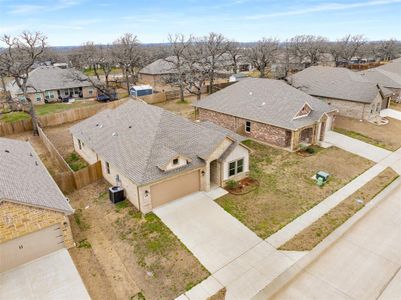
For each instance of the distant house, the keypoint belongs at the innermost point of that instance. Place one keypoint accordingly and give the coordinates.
(33, 210)
(157, 72)
(348, 92)
(158, 156)
(50, 84)
(270, 111)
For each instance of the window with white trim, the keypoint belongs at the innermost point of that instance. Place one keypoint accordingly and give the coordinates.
(248, 126)
(235, 167)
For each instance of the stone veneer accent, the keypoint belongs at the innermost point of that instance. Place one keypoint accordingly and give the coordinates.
(17, 220)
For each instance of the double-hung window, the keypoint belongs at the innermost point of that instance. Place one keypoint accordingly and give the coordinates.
(248, 126)
(107, 167)
(235, 167)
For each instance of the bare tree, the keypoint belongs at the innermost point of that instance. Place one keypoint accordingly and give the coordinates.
(18, 58)
(308, 48)
(235, 53)
(215, 46)
(88, 55)
(388, 49)
(178, 46)
(128, 54)
(350, 45)
(263, 54)
(106, 61)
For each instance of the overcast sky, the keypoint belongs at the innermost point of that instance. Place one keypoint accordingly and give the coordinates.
(72, 22)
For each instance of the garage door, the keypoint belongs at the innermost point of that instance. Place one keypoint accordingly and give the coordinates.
(172, 189)
(30, 246)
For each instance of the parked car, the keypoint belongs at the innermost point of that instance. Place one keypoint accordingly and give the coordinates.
(105, 98)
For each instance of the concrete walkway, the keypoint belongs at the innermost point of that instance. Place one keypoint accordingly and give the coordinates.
(236, 257)
(290, 230)
(392, 113)
(357, 147)
(53, 276)
(364, 263)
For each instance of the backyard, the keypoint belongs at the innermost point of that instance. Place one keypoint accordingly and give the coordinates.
(46, 109)
(287, 189)
(385, 136)
(184, 109)
(124, 255)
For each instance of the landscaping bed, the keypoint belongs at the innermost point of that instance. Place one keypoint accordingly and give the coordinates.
(385, 136)
(156, 263)
(242, 187)
(308, 238)
(287, 189)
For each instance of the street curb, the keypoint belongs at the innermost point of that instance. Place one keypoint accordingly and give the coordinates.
(292, 272)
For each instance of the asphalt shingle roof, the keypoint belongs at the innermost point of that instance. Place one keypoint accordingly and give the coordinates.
(138, 138)
(267, 101)
(159, 67)
(338, 83)
(52, 78)
(24, 179)
(388, 75)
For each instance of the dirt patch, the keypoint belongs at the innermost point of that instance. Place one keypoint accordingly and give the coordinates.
(315, 233)
(385, 136)
(138, 254)
(220, 295)
(287, 189)
(61, 138)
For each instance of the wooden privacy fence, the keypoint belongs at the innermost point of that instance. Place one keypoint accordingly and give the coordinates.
(67, 116)
(68, 180)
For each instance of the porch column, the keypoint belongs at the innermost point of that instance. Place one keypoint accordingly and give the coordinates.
(206, 177)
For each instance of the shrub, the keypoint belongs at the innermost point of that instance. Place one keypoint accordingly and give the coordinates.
(231, 184)
(310, 150)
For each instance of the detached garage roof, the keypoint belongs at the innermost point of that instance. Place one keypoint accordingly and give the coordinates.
(337, 83)
(138, 138)
(266, 101)
(24, 179)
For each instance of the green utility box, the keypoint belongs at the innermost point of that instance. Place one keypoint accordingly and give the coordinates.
(322, 176)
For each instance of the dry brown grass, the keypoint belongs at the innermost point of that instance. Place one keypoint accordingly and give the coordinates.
(315, 233)
(396, 106)
(184, 109)
(385, 136)
(128, 247)
(286, 188)
(220, 295)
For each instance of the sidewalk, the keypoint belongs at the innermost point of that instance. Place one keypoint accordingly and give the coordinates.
(395, 114)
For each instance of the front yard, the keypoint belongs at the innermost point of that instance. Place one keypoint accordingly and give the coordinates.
(124, 255)
(396, 106)
(287, 189)
(385, 136)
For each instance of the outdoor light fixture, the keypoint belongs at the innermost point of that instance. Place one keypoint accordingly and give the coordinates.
(203, 173)
(146, 193)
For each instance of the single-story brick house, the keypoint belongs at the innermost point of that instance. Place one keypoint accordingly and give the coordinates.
(33, 210)
(157, 156)
(50, 84)
(388, 75)
(270, 111)
(348, 92)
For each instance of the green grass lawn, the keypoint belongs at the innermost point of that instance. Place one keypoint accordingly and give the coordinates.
(45, 109)
(75, 162)
(287, 189)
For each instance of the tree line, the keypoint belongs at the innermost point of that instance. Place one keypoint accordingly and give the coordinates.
(191, 61)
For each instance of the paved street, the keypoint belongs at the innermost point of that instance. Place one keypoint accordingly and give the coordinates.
(363, 264)
(53, 276)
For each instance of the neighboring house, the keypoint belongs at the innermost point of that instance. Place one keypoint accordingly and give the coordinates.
(33, 210)
(158, 72)
(270, 111)
(158, 156)
(50, 84)
(348, 92)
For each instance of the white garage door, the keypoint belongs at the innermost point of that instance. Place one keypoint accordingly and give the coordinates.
(31, 246)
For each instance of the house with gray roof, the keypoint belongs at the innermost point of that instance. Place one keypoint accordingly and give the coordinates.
(157, 156)
(388, 76)
(51, 84)
(347, 91)
(270, 111)
(33, 211)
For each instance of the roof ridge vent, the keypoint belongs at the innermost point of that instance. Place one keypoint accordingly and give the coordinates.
(114, 134)
(7, 151)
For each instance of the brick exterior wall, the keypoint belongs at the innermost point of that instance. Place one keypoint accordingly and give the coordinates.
(266, 133)
(17, 220)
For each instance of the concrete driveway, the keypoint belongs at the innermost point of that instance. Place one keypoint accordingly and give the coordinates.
(363, 264)
(357, 147)
(211, 234)
(392, 113)
(53, 276)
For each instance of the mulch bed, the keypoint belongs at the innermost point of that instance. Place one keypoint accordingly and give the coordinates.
(244, 186)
